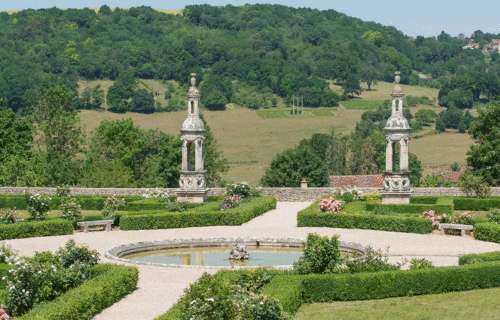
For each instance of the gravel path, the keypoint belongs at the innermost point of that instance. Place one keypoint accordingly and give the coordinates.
(160, 287)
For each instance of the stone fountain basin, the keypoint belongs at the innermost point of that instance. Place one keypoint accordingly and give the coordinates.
(117, 252)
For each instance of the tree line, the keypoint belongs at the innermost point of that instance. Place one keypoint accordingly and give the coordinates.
(50, 148)
(266, 49)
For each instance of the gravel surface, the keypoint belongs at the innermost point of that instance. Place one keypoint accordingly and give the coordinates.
(160, 287)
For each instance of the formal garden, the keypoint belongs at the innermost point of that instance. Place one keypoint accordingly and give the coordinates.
(70, 281)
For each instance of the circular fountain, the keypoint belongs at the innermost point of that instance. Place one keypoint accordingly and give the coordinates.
(215, 252)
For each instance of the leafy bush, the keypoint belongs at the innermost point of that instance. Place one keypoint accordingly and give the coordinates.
(487, 232)
(494, 215)
(177, 206)
(330, 205)
(473, 186)
(349, 194)
(417, 264)
(435, 220)
(111, 206)
(384, 211)
(34, 282)
(373, 261)
(71, 210)
(108, 284)
(63, 191)
(9, 216)
(463, 218)
(230, 202)
(479, 258)
(373, 196)
(38, 205)
(35, 229)
(72, 254)
(320, 255)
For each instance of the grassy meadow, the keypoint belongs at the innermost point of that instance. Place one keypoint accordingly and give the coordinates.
(251, 139)
(480, 304)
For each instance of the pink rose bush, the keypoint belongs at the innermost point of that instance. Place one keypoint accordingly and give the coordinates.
(330, 205)
(431, 215)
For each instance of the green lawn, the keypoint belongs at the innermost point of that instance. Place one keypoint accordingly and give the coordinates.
(476, 304)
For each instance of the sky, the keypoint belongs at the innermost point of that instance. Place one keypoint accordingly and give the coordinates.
(416, 17)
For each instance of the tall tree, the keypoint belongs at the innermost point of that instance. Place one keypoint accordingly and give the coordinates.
(57, 123)
(290, 166)
(484, 158)
(215, 163)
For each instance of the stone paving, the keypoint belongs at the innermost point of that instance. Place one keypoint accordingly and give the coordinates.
(160, 287)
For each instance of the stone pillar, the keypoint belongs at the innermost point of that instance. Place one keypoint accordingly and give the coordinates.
(388, 155)
(199, 153)
(185, 156)
(303, 183)
(403, 161)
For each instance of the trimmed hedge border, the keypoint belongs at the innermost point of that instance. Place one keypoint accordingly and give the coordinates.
(287, 290)
(476, 258)
(53, 227)
(424, 200)
(487, 232)
(108, 284)
(476, 204)
(363, 221)
(379, 285)
(237, 216)
(412, 208)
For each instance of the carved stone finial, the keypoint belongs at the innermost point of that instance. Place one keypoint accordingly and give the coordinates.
(193, 79)
(397, 78)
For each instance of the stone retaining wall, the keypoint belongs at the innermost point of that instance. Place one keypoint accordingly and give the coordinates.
(281, 194)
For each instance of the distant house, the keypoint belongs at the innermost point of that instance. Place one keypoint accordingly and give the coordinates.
(360, 181)
(423, 76)
(471, 46)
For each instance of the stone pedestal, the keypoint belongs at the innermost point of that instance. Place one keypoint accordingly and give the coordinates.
(396, 187)
(395, 197)
(192, 187)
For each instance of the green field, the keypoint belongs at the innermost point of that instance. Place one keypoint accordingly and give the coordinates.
(362, 104)
(483, 304)
(251, 139)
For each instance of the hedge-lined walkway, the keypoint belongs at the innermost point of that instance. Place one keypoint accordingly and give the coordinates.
(160, 287)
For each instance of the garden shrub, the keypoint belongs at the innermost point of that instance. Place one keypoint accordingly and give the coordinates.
(348, 194)
(287, 290)
(475, 204)
(373, 261)
(330, 205)
(38, 205)
(211, 217)
(309, 218)
(494, 215)
(9, 216)
(435, 220)
(379, 285)
(32, 229)
(71, 211)
(478, 258)
(463, 218)
(320, 255)
(63, 191)
(108, 284)
(412, 208)
(424, 200)
(487, 232)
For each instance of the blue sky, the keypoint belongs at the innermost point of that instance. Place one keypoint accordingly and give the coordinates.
(415, 17)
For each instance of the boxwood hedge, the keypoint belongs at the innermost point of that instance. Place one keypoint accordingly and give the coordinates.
(52, 227)
(109, 283)
(412, 208)
(476, 204)
(476, 258)
(487, 232)
(379, 285)
(199, 218)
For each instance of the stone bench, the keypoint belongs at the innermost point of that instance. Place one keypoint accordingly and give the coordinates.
(87, 224)
(461, 227)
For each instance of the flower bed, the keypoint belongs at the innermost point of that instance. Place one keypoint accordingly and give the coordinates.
(310, 217)
(108, 284)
